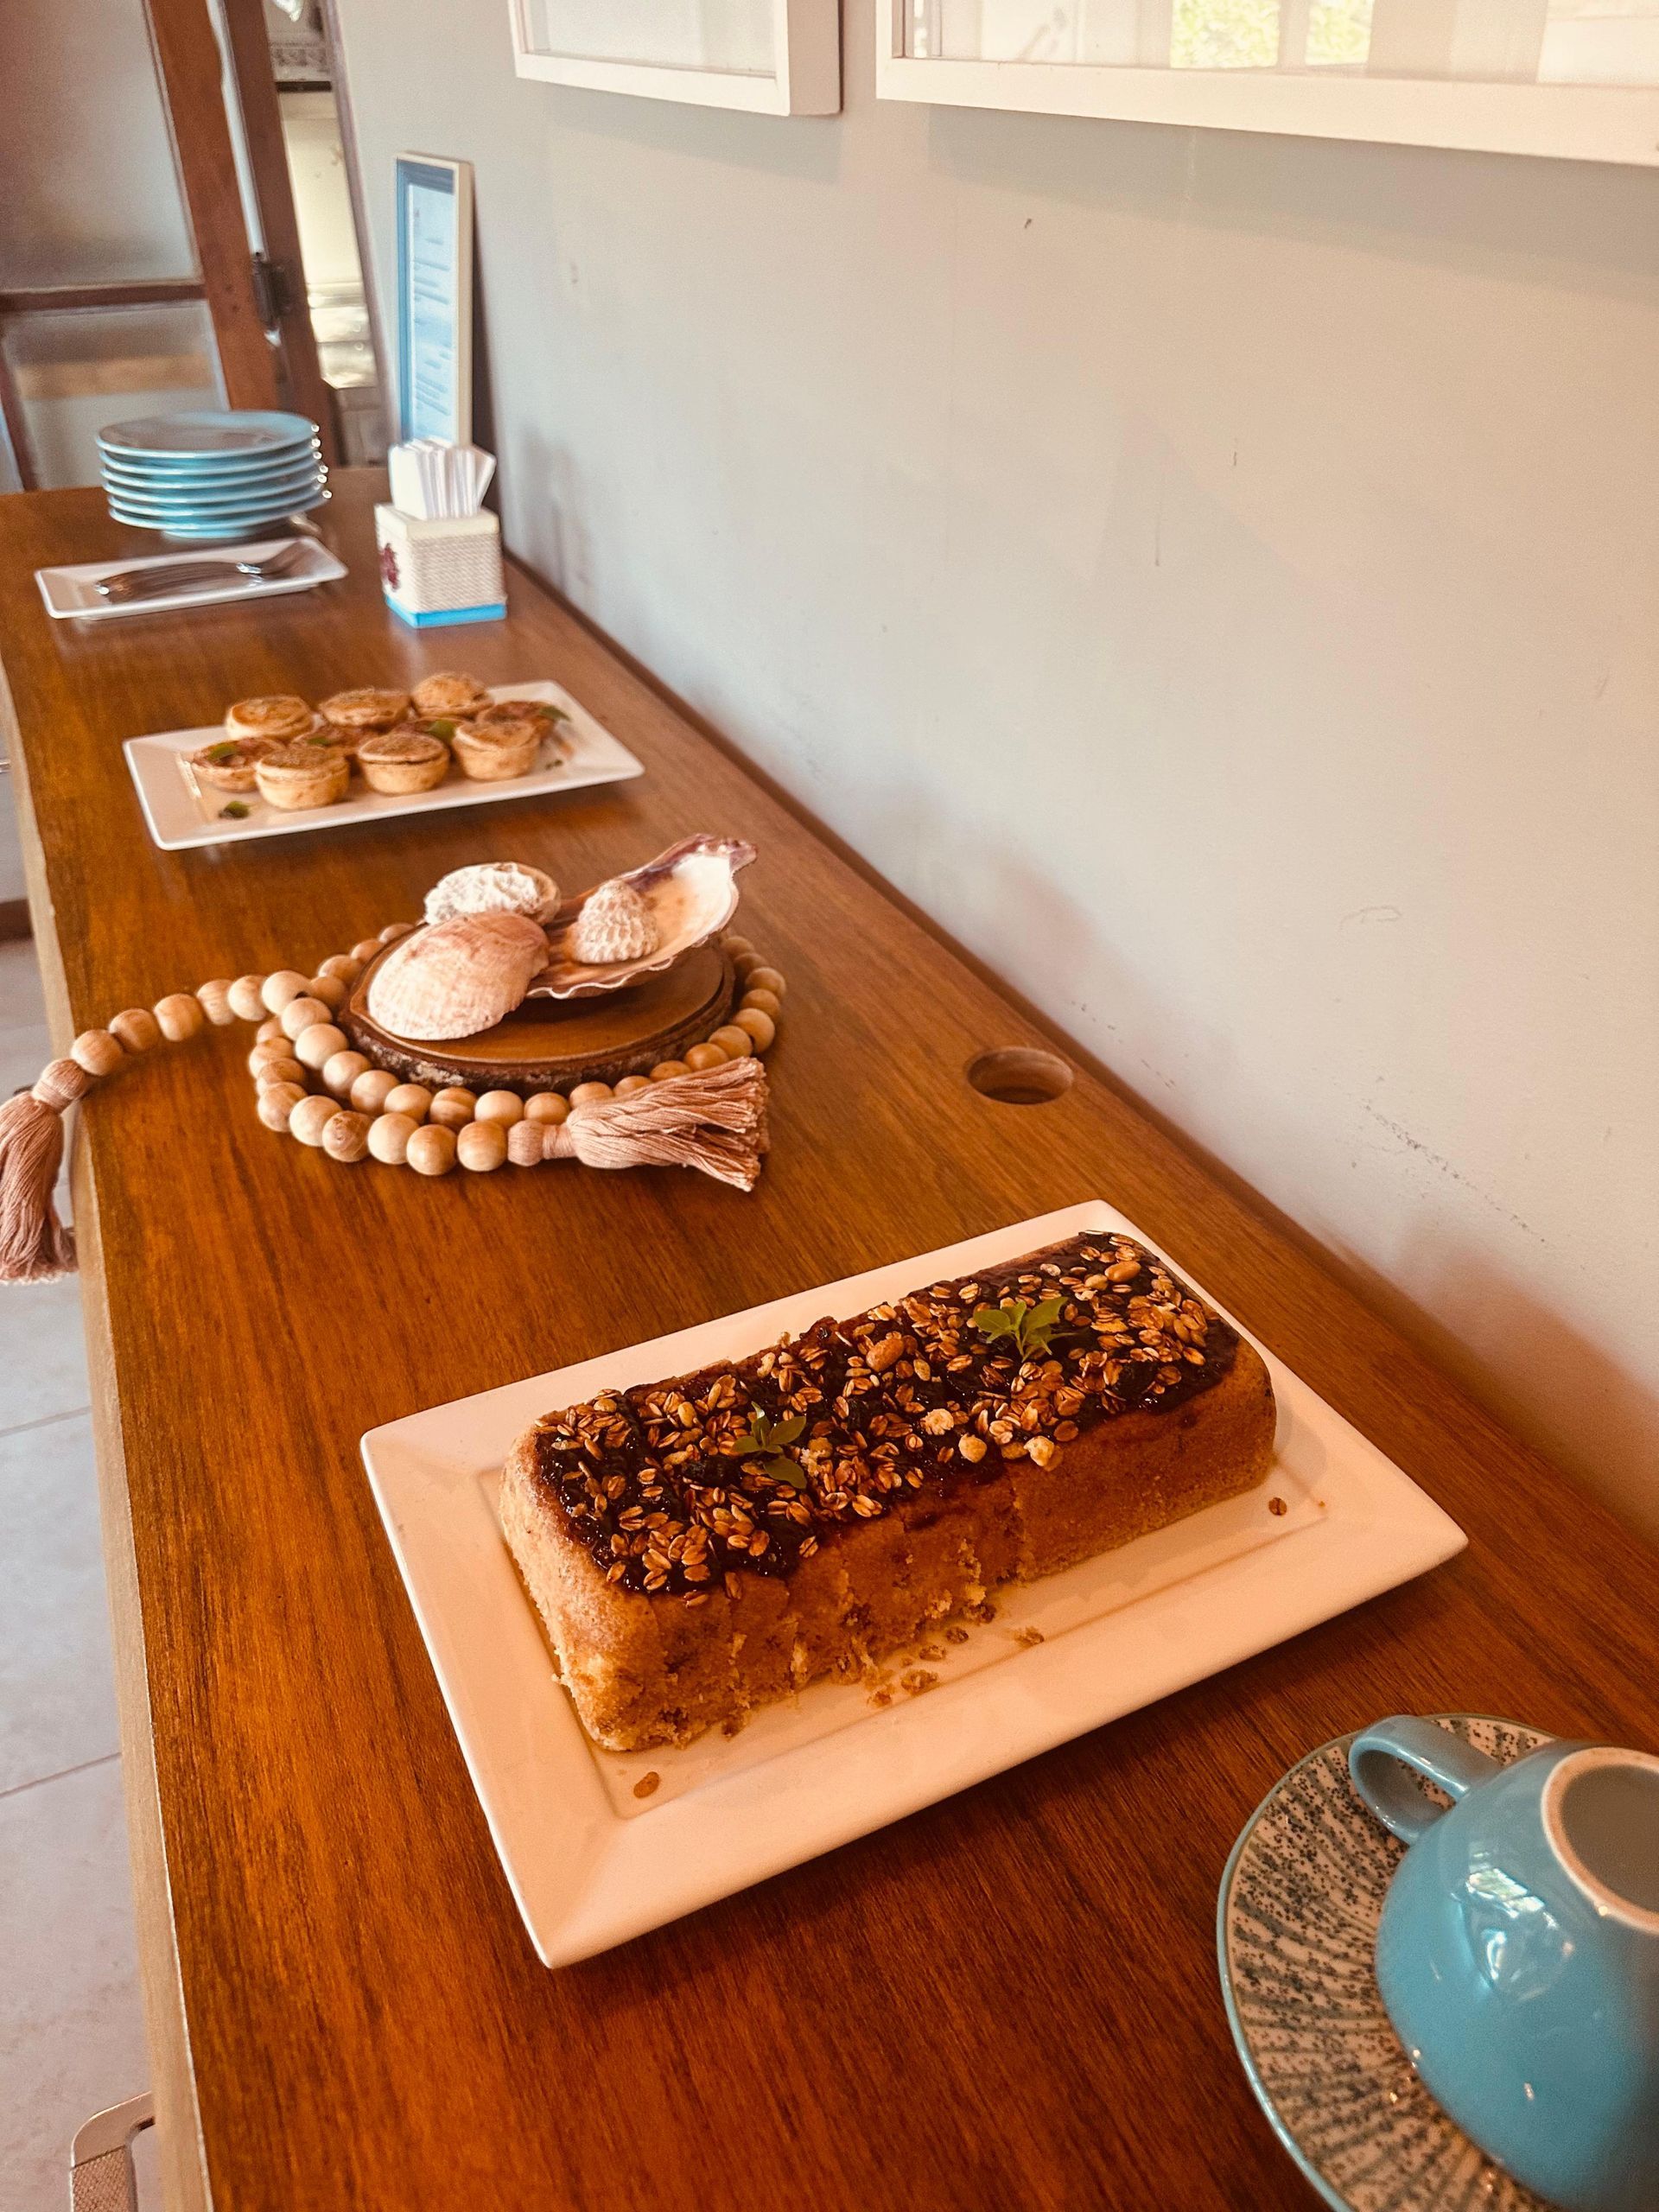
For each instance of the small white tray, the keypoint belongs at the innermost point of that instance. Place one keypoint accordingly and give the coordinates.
(71, 595)
(180, 813)
(591, 1865)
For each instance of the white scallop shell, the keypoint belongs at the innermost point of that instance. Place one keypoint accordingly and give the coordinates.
(613, 924)
(456, 978)
(493, 887)
(689, 893)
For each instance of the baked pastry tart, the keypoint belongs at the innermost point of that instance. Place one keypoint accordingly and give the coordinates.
(492, 747)
(292, 777)
(278, 718)
(402, 761)
(360, 711)
(449, 693)
(227, 765)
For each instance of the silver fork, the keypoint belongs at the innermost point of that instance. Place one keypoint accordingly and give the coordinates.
(148, 583)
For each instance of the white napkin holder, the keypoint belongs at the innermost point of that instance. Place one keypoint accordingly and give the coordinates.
(442, 570)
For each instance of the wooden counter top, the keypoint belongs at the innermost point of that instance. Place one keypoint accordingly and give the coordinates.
(1008, 2001)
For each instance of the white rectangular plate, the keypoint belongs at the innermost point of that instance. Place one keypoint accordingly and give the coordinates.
(592, 1864)
(71, 595)
(181, 814)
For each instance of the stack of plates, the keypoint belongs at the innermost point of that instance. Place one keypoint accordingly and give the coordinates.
(212, 474)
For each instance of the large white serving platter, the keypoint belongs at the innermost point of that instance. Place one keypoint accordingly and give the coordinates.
(181, 814)
(71, 595)
(591, 1865)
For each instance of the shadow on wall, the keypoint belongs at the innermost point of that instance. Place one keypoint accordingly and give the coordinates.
(1586, 220)
(557, 542)
(1468, 1316)
(1465, 1303)
(806, 149)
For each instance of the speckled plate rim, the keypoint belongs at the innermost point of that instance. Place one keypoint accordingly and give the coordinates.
(1258, 2088)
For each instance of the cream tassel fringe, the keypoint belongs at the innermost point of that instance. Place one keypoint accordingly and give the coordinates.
(35, 1246)
(713, 1118)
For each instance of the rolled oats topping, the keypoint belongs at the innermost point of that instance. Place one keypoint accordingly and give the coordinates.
(674, 1486)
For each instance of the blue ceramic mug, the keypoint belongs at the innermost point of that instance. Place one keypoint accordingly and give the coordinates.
(1518, 1952)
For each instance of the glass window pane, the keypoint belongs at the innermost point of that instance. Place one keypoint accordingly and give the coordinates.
(734, 36)
(1473, 41)
(87, 183)
(75, 372)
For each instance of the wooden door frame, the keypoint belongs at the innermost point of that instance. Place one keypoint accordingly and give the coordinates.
(255, 80)
(192, 86)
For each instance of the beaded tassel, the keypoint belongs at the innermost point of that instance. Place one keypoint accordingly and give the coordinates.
(708, 1111)
(35, 1246)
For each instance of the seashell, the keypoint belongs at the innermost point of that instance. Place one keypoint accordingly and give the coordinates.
(614, 924)
(493, 887)
(689, 894)
(454, 978)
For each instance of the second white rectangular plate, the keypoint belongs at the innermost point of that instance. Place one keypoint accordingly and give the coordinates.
(592, 1862)
(72, 595)
(181, 814)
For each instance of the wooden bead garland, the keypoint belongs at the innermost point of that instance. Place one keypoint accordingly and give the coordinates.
(452, 1107)
(278, 1102)
(317, 1044)
(136, 1028)
(481, 1146)
(431, 1149)
(346, 1135)
(372, 1090)
(215, 1002)
(391, 1121)
(97, 1052)
(178, 1016)
(389, 1136)
(280, 989)
(341, 1072)
(411, 1098)
(433, 1132)
(311, 1117)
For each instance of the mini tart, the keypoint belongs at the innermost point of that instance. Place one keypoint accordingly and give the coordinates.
(449, 693)
(278, 718)
(228, 764)
(325, 736)
(358, 712)
(402, 761)
(295, 775)
(502, 711)
(492, 752)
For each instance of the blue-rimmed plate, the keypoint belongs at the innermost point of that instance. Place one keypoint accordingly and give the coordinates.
(237, 525)
(141, 477)
(229, 499)
(1296, 1937)
(209, 437)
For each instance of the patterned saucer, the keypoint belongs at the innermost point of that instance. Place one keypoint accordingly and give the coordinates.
(1296, 1934)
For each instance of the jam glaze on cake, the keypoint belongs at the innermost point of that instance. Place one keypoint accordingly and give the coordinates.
(816, 1504)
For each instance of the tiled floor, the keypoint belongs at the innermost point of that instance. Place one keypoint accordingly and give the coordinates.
(71, 2035)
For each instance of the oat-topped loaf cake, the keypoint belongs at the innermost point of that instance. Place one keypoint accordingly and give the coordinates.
(700, 1546)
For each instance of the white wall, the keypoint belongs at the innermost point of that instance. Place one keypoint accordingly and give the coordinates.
(1213, 574)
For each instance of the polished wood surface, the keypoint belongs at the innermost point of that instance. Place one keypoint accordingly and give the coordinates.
(1008, 2001)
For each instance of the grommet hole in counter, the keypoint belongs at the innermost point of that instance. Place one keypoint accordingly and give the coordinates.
(1018, 1075)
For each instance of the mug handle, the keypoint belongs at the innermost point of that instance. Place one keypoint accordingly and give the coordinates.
(1374, 1760)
